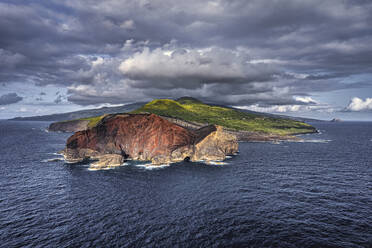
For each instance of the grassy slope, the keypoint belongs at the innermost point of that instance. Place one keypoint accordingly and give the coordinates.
(93, 120)
(195, 111)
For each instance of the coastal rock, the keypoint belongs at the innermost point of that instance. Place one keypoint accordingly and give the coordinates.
(214, 144)
(147, 137)
(69, 126)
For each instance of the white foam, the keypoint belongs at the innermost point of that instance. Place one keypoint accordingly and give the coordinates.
(276, 142)
(313, 141)
(97, 168)
(150, 166)
(56, 154)
(52, 160)
(216, 163)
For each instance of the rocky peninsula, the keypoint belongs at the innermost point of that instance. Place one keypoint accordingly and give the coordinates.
(147, 137)
(69, 126)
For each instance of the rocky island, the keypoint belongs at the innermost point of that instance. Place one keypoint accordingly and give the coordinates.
(147, 137)
(164, 131)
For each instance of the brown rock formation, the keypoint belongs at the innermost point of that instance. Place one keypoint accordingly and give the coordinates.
(147, 137)
(69, 126)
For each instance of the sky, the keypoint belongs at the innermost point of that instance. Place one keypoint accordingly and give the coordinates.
(309, 58)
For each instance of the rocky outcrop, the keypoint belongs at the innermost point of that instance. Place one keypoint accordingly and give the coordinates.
(246, 136)
(336, 120)
(147, 137)
(69, 126)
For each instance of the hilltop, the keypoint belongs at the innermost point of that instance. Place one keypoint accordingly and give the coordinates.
(193, 110)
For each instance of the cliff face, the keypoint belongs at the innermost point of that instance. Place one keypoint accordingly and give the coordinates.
(147, 137)
(69, 126)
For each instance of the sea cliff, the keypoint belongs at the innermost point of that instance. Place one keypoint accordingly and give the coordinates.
(69, 126)
(147, 137)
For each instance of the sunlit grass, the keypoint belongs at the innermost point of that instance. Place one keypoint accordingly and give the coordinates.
(93, 121)
(195, 111)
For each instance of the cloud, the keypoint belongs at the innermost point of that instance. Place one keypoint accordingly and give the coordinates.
(162, 68)
(306, 99)
(295, 108)
(22, 110)
(58, 99)
(275, 108)
(232, 52)
(9, 59)
(10, 98)
(127, 24)
(357, 104)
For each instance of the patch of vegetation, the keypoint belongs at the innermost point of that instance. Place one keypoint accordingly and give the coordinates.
(93, 121)
(193, 110)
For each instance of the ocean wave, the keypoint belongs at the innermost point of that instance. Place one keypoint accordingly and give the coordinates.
(216, 163)
(56, 154)
(313, 141)
(97, 168)
(49, 160)
(150, 166)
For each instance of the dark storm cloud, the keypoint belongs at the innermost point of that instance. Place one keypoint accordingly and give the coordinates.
(235, 52)
(10, 98)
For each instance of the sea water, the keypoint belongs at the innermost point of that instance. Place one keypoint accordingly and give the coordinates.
(316, 193)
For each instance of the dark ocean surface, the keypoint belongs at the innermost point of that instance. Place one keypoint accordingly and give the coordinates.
(316, 193)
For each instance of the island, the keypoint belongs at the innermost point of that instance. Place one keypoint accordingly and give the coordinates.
(165, 131)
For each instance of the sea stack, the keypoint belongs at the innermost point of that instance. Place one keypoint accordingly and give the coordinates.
(147, 137)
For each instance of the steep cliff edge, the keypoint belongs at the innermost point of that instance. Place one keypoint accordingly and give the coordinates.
(147, 137)
(69, 126)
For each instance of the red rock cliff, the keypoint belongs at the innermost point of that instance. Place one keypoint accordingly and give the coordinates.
(147, 137)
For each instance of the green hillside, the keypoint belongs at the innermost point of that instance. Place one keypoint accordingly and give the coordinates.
(193, 110)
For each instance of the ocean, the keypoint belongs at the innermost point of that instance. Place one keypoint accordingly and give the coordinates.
(316, 193)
